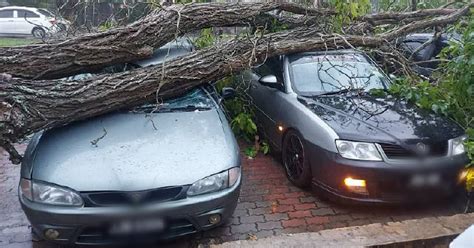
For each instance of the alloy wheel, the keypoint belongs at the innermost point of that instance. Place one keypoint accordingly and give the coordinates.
(294, 157)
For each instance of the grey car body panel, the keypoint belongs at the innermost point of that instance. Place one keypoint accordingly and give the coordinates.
(185, 147)
(276, 107)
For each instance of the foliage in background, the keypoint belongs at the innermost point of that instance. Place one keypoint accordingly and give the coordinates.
(106, 26)
(205, 39)
(347, 10)
(402, 5)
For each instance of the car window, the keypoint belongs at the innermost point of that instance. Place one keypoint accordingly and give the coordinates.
(197, 99)
(45, 13)
(6, 13)
(423, 54)
(26, 14)
(318, 74)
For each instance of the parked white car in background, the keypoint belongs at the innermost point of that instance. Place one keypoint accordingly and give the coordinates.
(16, 21)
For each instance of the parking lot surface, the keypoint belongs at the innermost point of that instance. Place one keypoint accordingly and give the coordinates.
(269, 205)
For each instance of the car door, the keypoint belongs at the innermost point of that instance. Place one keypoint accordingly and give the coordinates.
(268, 100)
(7, 22)
(26, 20)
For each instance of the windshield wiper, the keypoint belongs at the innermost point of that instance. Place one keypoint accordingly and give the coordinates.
(152, 108)
(185, 108)
(346, 90)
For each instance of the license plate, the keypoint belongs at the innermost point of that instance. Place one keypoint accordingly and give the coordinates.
(137, 226)
(424, 180)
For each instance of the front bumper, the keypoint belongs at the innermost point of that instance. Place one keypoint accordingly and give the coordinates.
(88, 225)
(385, 182)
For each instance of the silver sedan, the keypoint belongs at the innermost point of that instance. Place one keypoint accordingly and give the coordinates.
(154, 171)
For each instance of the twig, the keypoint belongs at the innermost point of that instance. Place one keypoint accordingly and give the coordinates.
(95, 141)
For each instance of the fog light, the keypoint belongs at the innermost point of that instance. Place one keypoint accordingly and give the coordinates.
(51, 234)
(280, 128)
(356, 185)
(214, 219)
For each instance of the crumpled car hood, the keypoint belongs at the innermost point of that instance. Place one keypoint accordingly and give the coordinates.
(132, 154)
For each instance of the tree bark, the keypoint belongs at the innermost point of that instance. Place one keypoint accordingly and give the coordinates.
(31, 105)
(135, 41)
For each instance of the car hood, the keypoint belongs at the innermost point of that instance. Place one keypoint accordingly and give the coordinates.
(135, 151)
(387, 119)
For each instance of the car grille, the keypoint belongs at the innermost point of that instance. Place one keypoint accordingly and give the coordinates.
(98, 235)
(118, 198)
(397, 152)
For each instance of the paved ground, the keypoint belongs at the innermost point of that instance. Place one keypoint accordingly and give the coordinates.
(269, 205)
(426, 232)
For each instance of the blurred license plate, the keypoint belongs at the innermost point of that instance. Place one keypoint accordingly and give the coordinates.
(137, 226)
(423, 180)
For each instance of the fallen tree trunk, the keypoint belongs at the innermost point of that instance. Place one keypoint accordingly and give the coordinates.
(31, 105)
(137, 40)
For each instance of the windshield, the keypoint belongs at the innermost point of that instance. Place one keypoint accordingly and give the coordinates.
(197, 99)
(322, 74)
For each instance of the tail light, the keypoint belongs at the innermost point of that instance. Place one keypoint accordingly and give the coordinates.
(53, 21)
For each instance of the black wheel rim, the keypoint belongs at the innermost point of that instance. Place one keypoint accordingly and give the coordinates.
(294, 157)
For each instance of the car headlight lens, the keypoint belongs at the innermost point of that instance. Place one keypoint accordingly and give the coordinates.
(215, 182)
(457, 145)
(358, 150)
(49, 194)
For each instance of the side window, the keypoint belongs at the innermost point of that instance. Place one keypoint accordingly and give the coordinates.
(25, 13)
(6, 14)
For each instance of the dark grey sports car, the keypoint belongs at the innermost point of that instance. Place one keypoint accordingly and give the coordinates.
(334, 135)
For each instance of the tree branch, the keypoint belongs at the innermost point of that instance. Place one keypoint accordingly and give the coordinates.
(135, 41)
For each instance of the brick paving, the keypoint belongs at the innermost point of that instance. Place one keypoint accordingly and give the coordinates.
(424, 232)
(269, 205)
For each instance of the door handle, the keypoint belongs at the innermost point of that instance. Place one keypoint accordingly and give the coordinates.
(10, 21)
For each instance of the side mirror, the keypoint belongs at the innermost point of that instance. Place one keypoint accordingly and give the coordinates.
(228, 93)
(270, 81)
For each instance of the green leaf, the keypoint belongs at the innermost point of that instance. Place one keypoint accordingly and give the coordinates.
(251, 152)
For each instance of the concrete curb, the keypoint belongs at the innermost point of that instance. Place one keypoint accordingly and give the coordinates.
(389, 234)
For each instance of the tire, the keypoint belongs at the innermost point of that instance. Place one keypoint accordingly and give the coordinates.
(295, 161)
(38, 33)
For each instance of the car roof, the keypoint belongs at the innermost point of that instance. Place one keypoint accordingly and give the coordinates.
(427, 36)
(176, 48)
(19, 7)
(328, 52)
(331, 52)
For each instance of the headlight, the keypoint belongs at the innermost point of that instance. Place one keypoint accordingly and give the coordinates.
(358, 150)
(457, 145)
(215, 182)
(49, 194)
